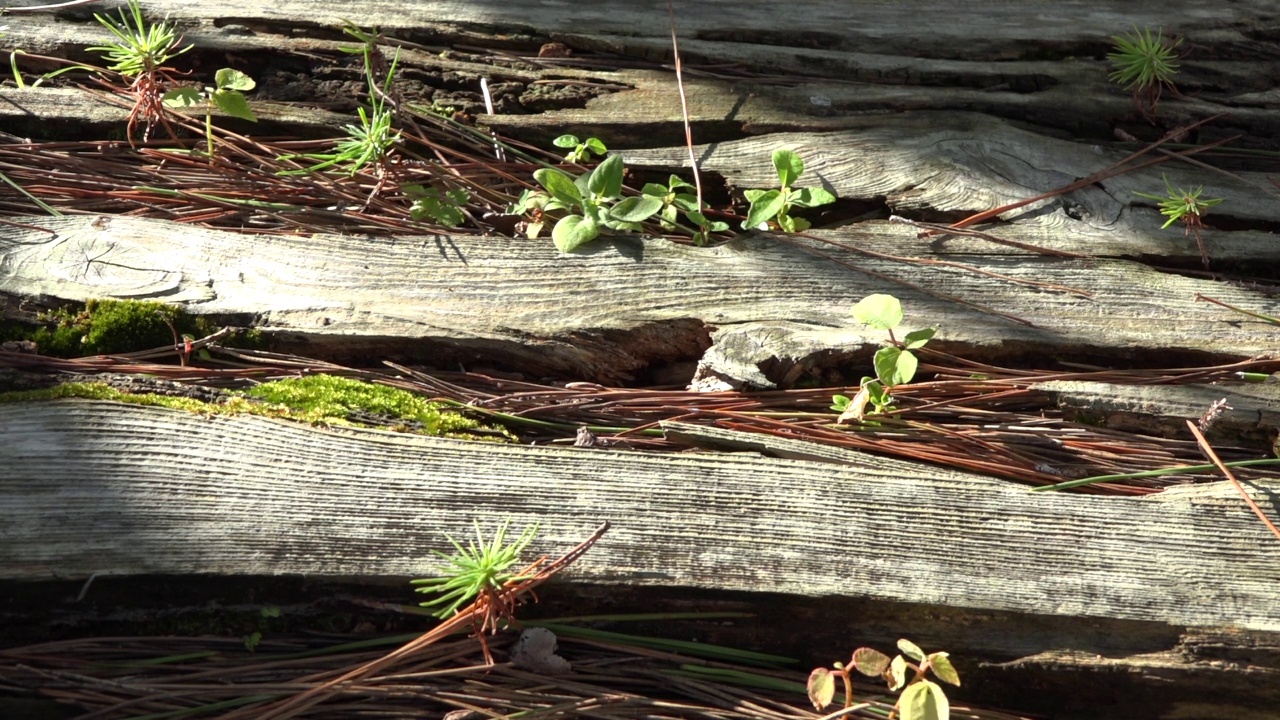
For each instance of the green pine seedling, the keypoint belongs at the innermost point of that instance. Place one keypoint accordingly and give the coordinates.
(374, 139)
(1185, 206)
(227, 96)
(776, 205)
(1144, 65)
(482, 567)
(139, 48)
(580, 150)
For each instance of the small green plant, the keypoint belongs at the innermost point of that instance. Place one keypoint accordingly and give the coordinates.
(1144, 65)
(373, 140)
(253, 639)
(140, 53)
(776, 205)
(141, 48)
(479, 572)
(674, 201)
(921, 698)
(895, 364)
(445, 207)
(1187, 207)
(591, 203)
(479, 569)
(227, 96)
(581, 150)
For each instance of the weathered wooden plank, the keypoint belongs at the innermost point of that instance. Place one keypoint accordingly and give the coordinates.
(94, 487)
(1253, 409)
(956, 162)
(22, 111)
(1053, 77)
(936, 28)
(619, 305)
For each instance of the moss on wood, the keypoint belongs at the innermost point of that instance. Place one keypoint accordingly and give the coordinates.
(104, 327)
(317, 399)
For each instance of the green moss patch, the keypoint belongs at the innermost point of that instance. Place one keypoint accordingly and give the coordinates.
(105, 327)
(316, 399)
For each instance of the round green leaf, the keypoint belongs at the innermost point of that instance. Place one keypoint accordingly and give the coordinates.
(918, 338)
(909, 648)
(882, 312)
(654, 190)
(822, 688)
(566, 141)
(789, 166)
(923, 701)
(183, 97)
(559, 185)
(894, 367)
(686, 202)
(674, 182)
(229, 79)
(897, 672)
(606, 179)
(811, 197)
(596, 146)
(940, 663)
(636, 209)
(763, 209)
(870, 662)
(233, 103)
(573, 231)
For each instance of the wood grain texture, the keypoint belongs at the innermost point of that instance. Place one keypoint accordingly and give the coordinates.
(95, 487)
(603, 312)
(957, 162)
(969, 28)
(1252, 408)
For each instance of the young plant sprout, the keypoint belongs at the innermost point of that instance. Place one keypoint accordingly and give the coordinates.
(1145, 66)
(227, 96)
(1185, 206)
(140, 53)
(895, 364)
(479, 572)
(921, 698)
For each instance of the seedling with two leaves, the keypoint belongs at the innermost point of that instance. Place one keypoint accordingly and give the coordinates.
(895, 364)
(580, 150)
(921, 698)
(777, 205)
(227, 96)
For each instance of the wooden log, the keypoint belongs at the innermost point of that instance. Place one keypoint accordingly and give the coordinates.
(620, 305)
(95, 487)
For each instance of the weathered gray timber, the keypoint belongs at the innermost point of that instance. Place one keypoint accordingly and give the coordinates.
(928, 109)
(624, 304)
(139, 486)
